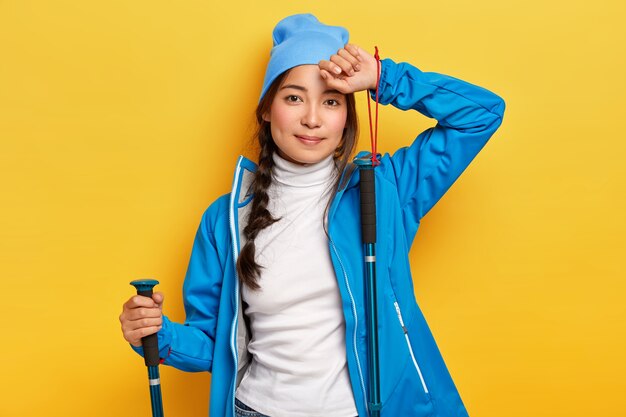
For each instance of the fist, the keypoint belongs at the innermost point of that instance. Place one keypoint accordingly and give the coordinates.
(141, 316)
(350, 70)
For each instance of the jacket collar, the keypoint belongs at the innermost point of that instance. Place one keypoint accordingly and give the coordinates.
(241, 193)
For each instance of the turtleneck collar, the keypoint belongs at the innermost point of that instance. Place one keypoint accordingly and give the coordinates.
(295, 175)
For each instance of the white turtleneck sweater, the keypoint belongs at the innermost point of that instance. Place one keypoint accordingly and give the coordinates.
(298, 366)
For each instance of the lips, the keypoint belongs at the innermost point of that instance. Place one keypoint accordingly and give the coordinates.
(309, 140)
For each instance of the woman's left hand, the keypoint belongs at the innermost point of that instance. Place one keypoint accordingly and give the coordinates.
(350, 70)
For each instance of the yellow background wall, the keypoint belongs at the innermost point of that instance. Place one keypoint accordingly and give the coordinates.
(120, 122)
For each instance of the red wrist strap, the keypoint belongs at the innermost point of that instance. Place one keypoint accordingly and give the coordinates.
(374, 131)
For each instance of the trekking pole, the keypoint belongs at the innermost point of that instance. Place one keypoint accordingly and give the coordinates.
(367, 195)
(151, 352)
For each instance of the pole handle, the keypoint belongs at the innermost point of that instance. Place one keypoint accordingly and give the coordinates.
(368, 205)
(149, 343)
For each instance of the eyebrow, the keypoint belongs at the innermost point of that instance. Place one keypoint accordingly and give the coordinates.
(301, 88)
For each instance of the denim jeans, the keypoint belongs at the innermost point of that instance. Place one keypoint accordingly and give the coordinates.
(242, 410)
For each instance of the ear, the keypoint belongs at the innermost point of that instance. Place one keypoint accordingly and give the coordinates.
(266, 116)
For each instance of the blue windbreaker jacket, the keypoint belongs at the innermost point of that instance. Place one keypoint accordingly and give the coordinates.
(414, 379)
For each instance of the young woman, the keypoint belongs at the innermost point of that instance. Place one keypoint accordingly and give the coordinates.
(274, 293)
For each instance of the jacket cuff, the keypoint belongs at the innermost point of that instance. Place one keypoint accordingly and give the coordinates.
(386, 71)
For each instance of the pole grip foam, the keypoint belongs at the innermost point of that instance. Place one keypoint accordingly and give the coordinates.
(368, 205)
(150, 343)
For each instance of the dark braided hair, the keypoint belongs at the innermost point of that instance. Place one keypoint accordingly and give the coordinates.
(259, 216)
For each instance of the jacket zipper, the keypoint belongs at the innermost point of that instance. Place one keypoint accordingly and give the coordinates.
(356, 353)
(233, 327)
(408, 343)
(233, 342)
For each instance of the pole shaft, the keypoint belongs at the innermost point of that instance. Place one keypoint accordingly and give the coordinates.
(367, 193)
(155, 391)
(372, 329)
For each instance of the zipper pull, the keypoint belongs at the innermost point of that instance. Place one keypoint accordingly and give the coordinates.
(400, 317)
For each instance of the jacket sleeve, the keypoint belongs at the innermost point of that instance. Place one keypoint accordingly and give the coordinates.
(189, 346)
(466, 116)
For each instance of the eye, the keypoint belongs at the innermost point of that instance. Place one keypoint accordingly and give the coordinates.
(332, 102)
(292, 99)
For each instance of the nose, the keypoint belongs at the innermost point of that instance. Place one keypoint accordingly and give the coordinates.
(311, 117)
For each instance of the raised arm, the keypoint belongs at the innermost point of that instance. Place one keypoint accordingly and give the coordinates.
(467, 116)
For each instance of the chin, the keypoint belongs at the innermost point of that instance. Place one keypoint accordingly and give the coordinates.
(304, 159)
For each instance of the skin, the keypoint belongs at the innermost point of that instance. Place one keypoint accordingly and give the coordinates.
(307, 118)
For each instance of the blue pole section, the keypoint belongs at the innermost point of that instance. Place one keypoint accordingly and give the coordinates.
(367, 193)
(151, 352)
(372, 329)
(155, 391)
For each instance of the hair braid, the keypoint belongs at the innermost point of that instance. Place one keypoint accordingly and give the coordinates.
(260, 217)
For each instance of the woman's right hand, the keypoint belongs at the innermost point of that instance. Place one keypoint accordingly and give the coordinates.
(141, 316)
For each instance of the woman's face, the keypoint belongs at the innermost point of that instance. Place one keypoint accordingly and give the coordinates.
(306, 118)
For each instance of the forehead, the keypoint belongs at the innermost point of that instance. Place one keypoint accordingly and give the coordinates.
(307, 76)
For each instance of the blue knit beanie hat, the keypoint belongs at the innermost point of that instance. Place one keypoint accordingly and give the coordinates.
(301, 39)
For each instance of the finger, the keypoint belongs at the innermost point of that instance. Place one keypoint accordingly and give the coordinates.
(134, 336)
(325, 74)
(362, 55)
(332, 67)
(348, 56)
(142, 323)
(330, 78)
(158, 298)
(131, 314)
(343, 64)
(354, 50)
(329, 67)
(139, 301)
(142, 313)
(334, 81)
